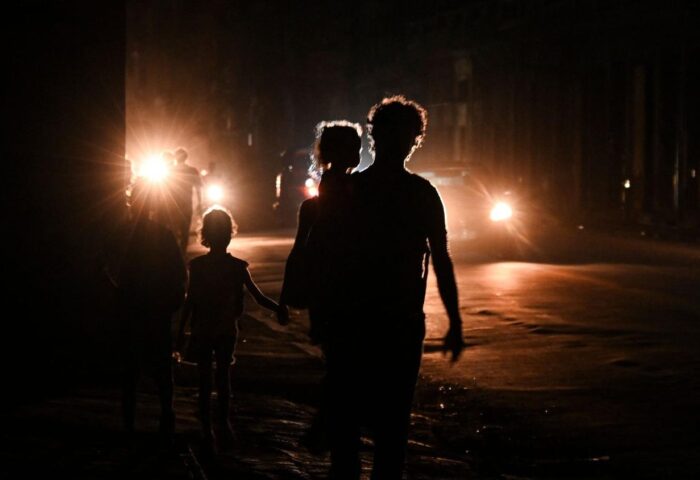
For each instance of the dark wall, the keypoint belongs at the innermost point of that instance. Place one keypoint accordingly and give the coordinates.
(569, 99)
(65, 106)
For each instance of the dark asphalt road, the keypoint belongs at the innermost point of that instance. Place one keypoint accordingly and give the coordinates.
(582, 360)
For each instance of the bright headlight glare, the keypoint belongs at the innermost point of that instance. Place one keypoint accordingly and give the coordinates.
(215, 193)
(501, 211)
(311, 188)
(154, 169)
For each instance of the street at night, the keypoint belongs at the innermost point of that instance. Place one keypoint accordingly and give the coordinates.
(583, 368)
(367, 240)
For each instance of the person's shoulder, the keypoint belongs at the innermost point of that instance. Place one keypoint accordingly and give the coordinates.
(199, 259)
(363, 177)
(198, 262)
(420, 183)
(309, 208)
(236, 262)
(418, 179)
(309, 204)
(362, 174)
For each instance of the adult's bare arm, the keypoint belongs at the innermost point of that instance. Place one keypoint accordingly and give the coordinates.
(444, 272)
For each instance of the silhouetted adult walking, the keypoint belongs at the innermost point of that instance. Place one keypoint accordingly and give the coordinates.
(395, 220)
(185, 180)
(151, 287)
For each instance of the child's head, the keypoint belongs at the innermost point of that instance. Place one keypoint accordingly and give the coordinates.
(218, 228)
(338, 144)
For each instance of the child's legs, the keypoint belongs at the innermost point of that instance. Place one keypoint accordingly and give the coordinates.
(224, 356)
(223, 390)
(205, 387)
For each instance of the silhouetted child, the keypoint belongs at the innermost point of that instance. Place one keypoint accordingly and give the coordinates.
(337, 152)
(309, 280)
(215, 303)
(151, 288)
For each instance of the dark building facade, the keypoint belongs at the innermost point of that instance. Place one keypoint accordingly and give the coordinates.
(65, 159)
(592, 107)
(237, 83)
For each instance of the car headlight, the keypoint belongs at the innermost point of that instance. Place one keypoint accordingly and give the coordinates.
(310, 188)
(154, 169)
(500, 212)
(215, 193)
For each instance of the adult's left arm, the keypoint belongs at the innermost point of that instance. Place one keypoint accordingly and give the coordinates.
(444, 272)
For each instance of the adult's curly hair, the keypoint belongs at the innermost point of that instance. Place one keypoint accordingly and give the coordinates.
(400, 116)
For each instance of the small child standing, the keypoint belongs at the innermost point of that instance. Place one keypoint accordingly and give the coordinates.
(215, 303)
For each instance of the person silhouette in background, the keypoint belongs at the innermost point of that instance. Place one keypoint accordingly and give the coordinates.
(382, 242)
(337, 152)
(214, 304)
(150, 288)
(184, 182)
